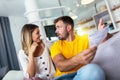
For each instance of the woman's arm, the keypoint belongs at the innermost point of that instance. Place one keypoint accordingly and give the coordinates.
(31, 66)
(31, 63)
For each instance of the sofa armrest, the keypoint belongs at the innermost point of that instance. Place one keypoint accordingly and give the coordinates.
(3, 71)
(14, 75)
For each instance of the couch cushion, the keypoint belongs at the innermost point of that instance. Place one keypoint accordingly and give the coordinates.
(108, 57)
(14, 75)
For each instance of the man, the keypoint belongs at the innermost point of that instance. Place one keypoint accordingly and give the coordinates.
(72, 55)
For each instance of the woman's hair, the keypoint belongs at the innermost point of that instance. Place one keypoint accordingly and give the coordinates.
(66, 20)
(26, 36)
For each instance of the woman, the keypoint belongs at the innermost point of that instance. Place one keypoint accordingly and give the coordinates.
(34, 55)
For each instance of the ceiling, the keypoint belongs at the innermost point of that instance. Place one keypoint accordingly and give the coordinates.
(17, 8)
(12, 7)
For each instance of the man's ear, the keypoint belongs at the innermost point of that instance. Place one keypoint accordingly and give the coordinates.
(69, 27)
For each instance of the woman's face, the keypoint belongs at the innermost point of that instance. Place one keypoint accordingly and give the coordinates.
(36, 35)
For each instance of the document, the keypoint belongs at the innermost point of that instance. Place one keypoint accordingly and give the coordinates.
(96, 38)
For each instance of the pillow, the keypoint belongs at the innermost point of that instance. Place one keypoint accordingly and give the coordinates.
(108, 57)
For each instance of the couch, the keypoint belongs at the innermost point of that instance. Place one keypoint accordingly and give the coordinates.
(14, 75)
(3, 71)
(108, 57)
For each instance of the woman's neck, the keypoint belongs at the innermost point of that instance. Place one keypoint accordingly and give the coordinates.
(39, 49)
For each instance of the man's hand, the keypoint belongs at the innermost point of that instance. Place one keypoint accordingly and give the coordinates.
(86, 56)
(101, 25)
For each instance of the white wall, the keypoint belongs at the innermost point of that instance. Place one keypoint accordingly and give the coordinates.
(16, 23)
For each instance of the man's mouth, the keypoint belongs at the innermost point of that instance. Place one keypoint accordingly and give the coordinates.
(58, 34)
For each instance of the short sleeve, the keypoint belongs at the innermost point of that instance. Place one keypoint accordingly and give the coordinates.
(86, 40)
(55, 49)
(24, 62)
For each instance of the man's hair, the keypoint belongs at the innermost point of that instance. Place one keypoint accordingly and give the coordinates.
(66, 20)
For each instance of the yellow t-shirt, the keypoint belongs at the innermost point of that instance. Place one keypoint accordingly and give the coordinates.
(69, 49)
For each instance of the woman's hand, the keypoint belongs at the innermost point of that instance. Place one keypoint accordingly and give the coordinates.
(33, 48)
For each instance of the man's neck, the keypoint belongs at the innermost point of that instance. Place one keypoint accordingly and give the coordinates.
(71, 37)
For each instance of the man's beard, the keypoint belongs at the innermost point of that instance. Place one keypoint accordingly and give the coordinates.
(64, 37)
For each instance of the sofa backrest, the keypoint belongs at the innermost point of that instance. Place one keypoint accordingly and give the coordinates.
(108, 57)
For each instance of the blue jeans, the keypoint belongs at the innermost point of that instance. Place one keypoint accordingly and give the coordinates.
(87, 72)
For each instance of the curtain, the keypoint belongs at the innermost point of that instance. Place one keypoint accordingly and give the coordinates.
(8, 56)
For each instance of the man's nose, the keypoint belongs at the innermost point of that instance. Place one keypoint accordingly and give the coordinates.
(56, 31)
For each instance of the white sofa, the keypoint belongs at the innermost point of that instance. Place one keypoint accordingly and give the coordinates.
(108, 57)
(14, 75)
(3, 71)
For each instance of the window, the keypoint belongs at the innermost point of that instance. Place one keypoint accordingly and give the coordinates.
(50, 32)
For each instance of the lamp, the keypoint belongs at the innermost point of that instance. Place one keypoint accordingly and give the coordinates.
(72, 15)
(86, 1)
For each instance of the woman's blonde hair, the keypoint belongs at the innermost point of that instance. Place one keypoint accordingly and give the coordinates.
(26, 36)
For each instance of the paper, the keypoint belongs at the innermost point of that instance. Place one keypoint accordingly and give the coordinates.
(96, 38)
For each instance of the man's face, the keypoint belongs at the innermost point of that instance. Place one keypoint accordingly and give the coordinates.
(61, 30)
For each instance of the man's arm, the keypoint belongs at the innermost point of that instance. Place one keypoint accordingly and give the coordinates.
(84, 57)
